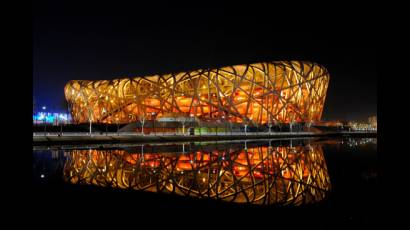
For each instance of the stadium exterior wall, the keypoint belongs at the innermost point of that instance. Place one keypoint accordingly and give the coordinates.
(261, 93)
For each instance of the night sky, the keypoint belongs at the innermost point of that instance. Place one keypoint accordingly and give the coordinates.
(92, 41)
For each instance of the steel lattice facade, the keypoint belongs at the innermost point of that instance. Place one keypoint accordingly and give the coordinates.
(283, 91)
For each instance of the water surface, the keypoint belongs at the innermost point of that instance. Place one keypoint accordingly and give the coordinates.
(327, 174)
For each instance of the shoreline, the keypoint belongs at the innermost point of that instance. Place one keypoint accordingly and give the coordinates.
(85, 138)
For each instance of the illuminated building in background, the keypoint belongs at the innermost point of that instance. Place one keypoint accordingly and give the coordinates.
(51, 118)
(369, 125)
(262, 175)
(261, 93)
(373, 122)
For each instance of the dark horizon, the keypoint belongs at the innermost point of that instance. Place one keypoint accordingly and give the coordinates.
(107, 42)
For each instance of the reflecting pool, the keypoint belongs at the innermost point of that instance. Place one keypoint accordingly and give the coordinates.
(261, 173)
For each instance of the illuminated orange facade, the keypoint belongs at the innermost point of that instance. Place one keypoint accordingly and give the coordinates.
(283, 91)
(261, 175)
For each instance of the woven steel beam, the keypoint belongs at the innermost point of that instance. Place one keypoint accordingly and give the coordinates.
(261, 93)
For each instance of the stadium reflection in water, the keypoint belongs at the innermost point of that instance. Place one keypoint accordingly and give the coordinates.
(255, 174)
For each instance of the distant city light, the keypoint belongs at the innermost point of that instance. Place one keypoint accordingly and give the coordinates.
(371, 124)
(47, 117)
(43, 107)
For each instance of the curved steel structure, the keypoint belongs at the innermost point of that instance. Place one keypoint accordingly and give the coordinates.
(261, 175)
(283, 91)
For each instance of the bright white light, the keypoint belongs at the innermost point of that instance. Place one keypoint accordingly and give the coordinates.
(63, 116)
(42, 175)
(43, 107)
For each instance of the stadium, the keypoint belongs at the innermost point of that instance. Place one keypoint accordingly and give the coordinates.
(261, 93)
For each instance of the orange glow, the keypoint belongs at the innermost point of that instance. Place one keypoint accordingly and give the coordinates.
(152, 102)
(231, 91)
